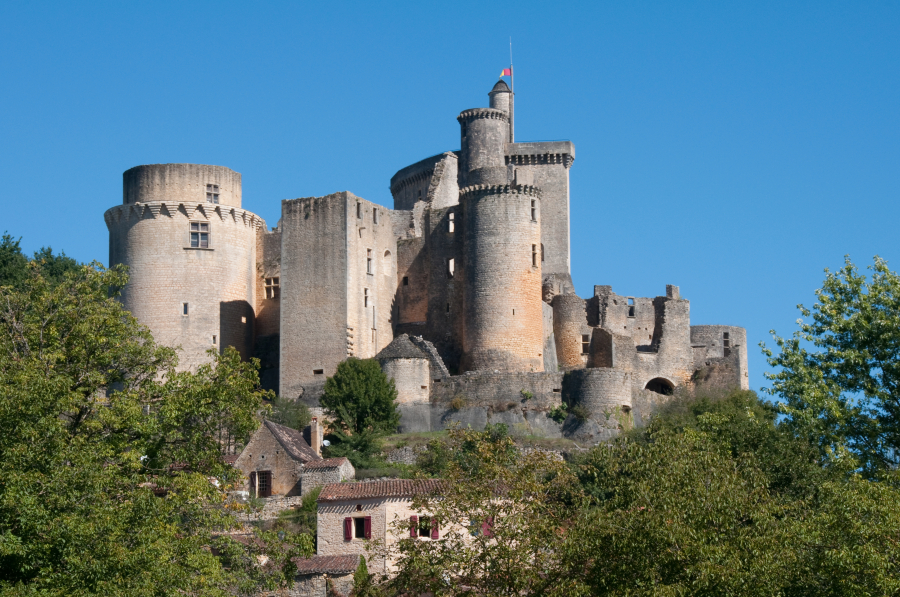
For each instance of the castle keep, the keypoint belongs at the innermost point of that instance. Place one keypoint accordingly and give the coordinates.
(462, 291)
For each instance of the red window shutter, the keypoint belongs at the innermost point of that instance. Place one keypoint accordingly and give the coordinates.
(368, 524)
(487, 525)
(414, 526)
(434, 529)
(348, 529)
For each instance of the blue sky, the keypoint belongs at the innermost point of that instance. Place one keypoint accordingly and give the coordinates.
(733, 148)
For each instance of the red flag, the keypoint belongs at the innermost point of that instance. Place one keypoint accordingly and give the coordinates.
(507, 72)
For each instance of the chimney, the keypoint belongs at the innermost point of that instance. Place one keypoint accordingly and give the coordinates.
(315, 435)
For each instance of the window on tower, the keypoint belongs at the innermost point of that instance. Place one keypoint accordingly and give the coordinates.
(200, 235)
(273, 288)
(212, 193)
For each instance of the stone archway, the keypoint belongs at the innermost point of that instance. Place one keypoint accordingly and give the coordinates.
(660, 385)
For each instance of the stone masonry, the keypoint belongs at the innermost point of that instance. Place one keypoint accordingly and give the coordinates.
(470, 272)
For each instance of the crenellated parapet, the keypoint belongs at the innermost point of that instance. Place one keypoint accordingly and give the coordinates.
(544, 159)
(483, 190)
(171, 209)
(482, 114)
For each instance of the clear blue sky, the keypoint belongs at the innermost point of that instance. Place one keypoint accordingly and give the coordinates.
(733, 148)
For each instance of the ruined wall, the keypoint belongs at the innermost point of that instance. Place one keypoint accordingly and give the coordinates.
(188, 183)
(502, 313)
(443, 189)
(713, 337)
(410, 184)
(216, 282)
(371, 277)
(546, 165)
(413, 274)
(314, 272)
(570, 329)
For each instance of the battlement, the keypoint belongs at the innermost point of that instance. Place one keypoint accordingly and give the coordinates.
(500, 189)
(225, 213)
(482, 113)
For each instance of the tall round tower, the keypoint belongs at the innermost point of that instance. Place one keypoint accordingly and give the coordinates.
(502, 268)
(191, 253)
(483, 136)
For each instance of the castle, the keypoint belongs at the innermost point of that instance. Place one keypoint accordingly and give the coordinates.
(462, 291)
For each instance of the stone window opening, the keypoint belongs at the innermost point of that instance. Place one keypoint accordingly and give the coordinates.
(387, 263)
(448, 307)
(726, 340)
(368, 261)
(542, 252)
(374, 216)
(660, 386)
(514, 311)
(534, 256)
(273, 288)
(200, 235)
(420, 194)
(630, 307)
(184, 309)
(214, 339)
(212, 193)
(533, 211)
(450, 221)
(585, 344)
(318, 372)
(406, 280)
(365, 297)
(424, 387)
(243, 320)
(359, 213)
(451, 268)
(374, 335)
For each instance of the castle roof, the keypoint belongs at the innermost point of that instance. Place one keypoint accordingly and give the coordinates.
(293, 443)
(401, 347)
(500, 87)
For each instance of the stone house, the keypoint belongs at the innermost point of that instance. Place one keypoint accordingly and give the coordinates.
(279, 461)
(314, 573)
(351, 514)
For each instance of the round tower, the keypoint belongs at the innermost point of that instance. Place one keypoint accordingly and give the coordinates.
(570, 330)
(602, 392)
(191, 253)
(502, 268)
(500, 95)
(483, 133)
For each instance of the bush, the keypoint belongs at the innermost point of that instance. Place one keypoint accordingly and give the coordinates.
(458, 403)
(580, 413)
(559, 413)
(526, 395)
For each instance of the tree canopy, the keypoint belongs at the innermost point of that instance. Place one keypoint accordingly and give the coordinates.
(362, 404)
(14, 263)
(838, 376)
(97, 424)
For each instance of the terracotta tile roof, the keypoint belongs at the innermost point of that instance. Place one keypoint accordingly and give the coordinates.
(230, 458)
(327, 564)
(293, 443)
(326, 463)
(335, 492)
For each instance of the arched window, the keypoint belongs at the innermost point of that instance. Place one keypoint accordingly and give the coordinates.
(387, 263)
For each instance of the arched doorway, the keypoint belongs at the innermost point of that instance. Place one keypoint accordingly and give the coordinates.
(660, 386)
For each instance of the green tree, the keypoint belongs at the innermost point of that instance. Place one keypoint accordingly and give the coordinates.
(362, 404)
(505, 525)
(838, 376)
(14, 264)
(290, 413)
(95, 423)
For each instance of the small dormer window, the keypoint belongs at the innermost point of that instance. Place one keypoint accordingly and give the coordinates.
(212, 193)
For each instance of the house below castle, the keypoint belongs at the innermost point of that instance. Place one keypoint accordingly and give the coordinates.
(462, 290)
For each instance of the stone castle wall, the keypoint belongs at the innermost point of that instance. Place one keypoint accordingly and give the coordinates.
(503, 316)
(217, 283)
(181, 182)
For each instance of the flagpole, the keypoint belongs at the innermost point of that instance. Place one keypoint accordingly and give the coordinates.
(512, 95)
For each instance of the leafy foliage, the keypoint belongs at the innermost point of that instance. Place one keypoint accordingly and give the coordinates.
(503, 517)
(14, 263)
(290, 413)
(95, 422)
(361, 402)
(839, 375)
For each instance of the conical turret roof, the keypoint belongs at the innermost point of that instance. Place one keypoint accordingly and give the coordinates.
(401, 348)
(500, 87)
